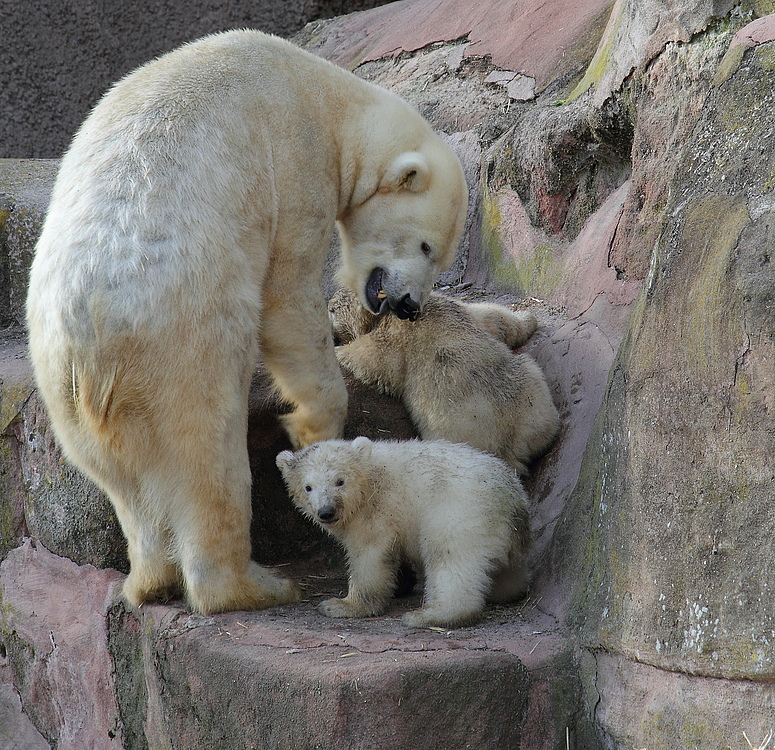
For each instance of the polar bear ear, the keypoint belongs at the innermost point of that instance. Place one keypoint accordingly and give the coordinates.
(285, 460)
(362, 446)
(409, 171)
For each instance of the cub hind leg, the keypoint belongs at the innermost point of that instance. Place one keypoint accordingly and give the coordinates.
(455, 594)
(510, 582)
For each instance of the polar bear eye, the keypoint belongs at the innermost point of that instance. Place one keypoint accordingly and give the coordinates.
(308, 489)
(339, 482)
(426, 248)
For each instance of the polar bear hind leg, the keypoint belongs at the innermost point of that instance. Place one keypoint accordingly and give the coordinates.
(455, 594)
(511, 327)
(181, 492)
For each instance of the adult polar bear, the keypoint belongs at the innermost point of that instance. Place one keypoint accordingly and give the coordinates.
(187, 230)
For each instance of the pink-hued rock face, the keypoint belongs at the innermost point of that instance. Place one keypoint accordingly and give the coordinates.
(760, 31)
(56, 612)
(520, 36)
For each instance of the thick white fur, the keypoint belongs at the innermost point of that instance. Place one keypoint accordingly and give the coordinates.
(455, 513)
(457, 383)
(186, 234)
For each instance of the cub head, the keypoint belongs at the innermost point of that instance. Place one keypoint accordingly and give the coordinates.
(327, 481)
(349, 318)
(399, 235)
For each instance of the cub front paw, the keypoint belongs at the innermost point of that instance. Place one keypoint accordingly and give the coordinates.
(337, 608)
(276, 589)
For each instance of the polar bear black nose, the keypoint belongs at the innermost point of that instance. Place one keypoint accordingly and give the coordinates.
(407, 308)
(327, 513)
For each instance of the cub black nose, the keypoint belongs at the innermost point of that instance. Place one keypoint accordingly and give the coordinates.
(407, 308)
(327, 514)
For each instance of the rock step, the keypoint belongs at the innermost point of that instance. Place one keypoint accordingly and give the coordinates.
(94, 674)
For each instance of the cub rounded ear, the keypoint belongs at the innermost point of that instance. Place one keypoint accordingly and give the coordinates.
(409, 171)
(285, 460)
(362, 445)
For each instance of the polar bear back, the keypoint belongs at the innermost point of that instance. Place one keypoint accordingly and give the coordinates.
(152, 181)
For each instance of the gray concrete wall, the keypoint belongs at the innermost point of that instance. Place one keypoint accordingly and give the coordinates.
(57, 57)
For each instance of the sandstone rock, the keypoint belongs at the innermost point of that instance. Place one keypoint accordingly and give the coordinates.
(513, 35)
(16, 730)
(638, 704)
(52, 625)
(283, 678)
(666, 541)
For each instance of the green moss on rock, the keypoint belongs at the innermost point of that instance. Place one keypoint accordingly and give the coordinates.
(538, 272)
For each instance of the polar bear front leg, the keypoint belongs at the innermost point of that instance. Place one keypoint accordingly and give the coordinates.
(210, 526)
(374, 363)
(372, 579)
(298, 350)
(153, 575)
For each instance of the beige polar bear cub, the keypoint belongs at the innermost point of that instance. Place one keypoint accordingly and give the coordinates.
(456, 383)
(185, 237)
(455, 513)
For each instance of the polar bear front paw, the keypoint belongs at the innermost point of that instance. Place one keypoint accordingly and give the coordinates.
(277, 589)
(304, 429)
(341, 608)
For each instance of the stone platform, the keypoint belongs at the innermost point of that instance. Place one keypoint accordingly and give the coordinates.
(94, 674)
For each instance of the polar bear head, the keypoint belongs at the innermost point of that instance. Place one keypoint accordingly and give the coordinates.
(328, 481)
(404, 229)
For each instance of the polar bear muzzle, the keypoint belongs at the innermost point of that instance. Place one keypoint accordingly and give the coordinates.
(375, 295)
(406, 309)
(380, 301)
(327, 514)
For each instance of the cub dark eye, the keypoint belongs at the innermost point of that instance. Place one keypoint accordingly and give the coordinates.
(339, 482)
(308, 489)
(426, 248)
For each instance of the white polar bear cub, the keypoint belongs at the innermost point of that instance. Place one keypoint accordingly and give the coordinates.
(455, 513)
(186, 235)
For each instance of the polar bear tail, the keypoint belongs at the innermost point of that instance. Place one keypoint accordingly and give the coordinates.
(94, 398)
(103, 395)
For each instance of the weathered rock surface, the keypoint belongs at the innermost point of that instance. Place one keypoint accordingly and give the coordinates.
(626, 194)
(58, 60)
(684, 447)
(93, 675)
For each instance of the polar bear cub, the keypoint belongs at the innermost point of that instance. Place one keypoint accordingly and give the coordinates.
(457, 383)
(456, 514)
(186, 236)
